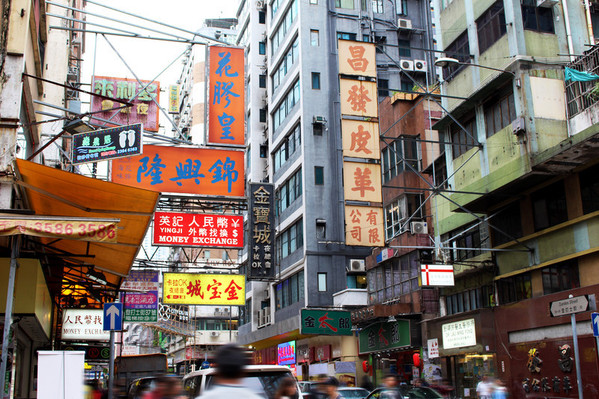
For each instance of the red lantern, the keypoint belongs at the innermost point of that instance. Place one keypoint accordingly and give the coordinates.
(365, 366)
(416, 358)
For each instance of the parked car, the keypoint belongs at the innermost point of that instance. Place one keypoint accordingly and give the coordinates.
(140, 386)
(306, 386)
(261, 379)
(405, 392)
(353, 392)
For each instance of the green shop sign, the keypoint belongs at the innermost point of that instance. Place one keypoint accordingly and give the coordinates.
(326, 322)
(384, 336)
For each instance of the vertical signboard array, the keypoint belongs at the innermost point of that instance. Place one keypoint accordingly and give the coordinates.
(226, 108)
(140, 296)
(261, 232)
(360, 136)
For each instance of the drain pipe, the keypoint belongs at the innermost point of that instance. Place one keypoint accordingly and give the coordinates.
(568, 30)
(587, 11)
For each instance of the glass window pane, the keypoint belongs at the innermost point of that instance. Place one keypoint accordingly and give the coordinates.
(322, 282)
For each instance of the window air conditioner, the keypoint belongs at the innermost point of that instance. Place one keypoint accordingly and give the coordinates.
(418, 228)
(420, 65)
(406, 65)
(404, 23)
(356, 265)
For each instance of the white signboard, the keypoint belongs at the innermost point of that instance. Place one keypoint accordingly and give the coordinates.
(433, 348)
(459, 334)
(437, 275)
(83, 325)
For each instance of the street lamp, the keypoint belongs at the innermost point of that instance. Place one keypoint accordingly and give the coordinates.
(445, 62)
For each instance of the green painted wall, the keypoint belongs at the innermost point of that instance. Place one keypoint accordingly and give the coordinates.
(550, 133)
(453, 20)
(469, 169)
(541, 44)
(502, 148)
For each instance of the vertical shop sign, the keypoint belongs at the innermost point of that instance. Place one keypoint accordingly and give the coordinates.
(144, 98)
(141, 306)
(173, 99)
(360, 139)
(226, 116)
(364, 226)
(261, 232)
(357, 58)
(362, 182)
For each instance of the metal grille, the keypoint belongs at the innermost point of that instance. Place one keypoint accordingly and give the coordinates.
(578, 93)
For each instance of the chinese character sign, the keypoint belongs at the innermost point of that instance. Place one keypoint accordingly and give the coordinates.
(358, 98)
(203, 289)
(70, 229)
(198, 230)
(364, 226)
(357, 58)
(325, 322)
(173, 99)
(436, 275)
(360, 139)
(142, 96)
(384, 336)
(362, 182)
(261, 232)
(141, 306)
(200, 171)
(226, 116)
(459, 334)
(100, 145)
(83, 324)
(286, 353)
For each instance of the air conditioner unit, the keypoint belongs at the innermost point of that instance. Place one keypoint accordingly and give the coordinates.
(420, 65)
(546, 3)
(214, 333)
(406, 65)
(260, 4)
(356, 265)
(418, 228)
(404, 23)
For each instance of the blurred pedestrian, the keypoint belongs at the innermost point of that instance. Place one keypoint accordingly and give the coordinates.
(484, 389)
(287, 389)
(230, 362)
(330, 386)
(174, 389)
(367, 384)
(161, 386)
(500, 390)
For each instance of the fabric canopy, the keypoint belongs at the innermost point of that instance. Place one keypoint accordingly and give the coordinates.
(578, 76)
(54, 192)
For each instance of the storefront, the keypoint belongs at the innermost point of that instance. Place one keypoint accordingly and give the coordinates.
(466, 346)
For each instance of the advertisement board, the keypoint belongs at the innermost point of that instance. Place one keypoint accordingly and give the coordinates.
(325, 322)
(226, 107)
(173, 99)
(286, 353)
(198, 171)
(261, 232)
(203, 289)
(197, 230)
(384, 336)
(141, 95)
(459, 334)
(84, 325)
(141, 306)
(437, 275)
(364, 226)
(101, 145)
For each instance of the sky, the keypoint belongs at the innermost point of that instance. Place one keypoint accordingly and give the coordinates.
(147, 58)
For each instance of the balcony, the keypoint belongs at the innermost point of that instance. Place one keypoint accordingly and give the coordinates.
(350, 297)
(582, 97)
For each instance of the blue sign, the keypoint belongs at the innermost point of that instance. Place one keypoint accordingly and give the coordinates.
(113, 316)
(286, 353)
(595, 323)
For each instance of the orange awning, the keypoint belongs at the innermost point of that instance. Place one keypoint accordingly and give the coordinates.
(54, 192)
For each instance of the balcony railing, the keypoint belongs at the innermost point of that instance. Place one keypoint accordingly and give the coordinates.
(579, 94)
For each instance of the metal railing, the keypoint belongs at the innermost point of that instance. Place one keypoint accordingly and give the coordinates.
(578, 94)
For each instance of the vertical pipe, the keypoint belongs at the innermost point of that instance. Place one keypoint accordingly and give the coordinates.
(111, 367)
(576, 354)
(8, 312)
(568, 30)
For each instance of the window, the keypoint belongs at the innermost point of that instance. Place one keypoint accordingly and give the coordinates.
(290, 240)
(274, 7)
(263, 114)
(380, 42)
(206, 254)
(535, 18)
(459, 50)
(401, 7)
(589, 189)
(560, 277)
(316, 80)
(314, 38)
(288, 192)
(264, 151)
(346, 36)
(515, 288)
(490, 26)
(287, 148)
(463, 140)
(290, 290)
(399, 210)
(470, 237)
(473, 299)
(262, 48)
(261, 17)
(317, 128)
(225, 256)
(313, 1)
(356, 281)
(348, 4)
(287, 20)
(286, 105)
(262, 81)
(508, 220)
(499, 113)
(398, 153)
(285, 65)
(364, 5)
(390, 280)
(318, 175)
(377, 6)
(321, 229)
(383, 86)
(322, 282)
(404, 48)
(549, 206)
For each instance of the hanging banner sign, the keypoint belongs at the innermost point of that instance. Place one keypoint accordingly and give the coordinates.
(325, 322)
(437, 275)
(226, 107)
(144, 96)
(198, 230)
(82, 230)
(100, 145)
(141, 306)
(173, 99)
(203, 289)
(261, 232)
(199, 171)
(84, 325)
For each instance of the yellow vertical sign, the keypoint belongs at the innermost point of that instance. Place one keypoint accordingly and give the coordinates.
(360, 139)
(173, 99)
(364, 226)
